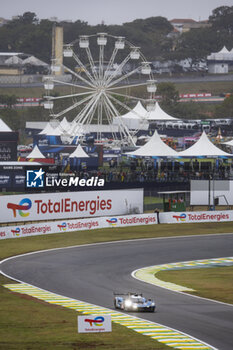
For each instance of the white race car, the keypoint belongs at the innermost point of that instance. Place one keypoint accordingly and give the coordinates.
(133, 302)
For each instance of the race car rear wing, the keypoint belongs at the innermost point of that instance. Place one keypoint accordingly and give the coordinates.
(129, 294)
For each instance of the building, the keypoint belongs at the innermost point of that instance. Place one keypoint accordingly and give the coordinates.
(185, 24)
(220, 62)
(18, 63)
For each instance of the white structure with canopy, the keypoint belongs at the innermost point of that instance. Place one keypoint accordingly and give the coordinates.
(204, 148)
(155, 147)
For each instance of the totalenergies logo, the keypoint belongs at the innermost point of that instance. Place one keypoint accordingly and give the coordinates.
(97, 321)
(181, 217)
(62, 227)
(16, 232)
(112, 222)
(24, 205)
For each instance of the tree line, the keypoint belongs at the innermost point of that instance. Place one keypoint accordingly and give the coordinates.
(30, 35)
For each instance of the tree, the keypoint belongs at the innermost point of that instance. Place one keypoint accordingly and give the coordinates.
(169, 94)
(8, 100)
(222, 19)
(225, 109)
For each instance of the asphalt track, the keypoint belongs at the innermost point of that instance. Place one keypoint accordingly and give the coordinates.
(91, 273)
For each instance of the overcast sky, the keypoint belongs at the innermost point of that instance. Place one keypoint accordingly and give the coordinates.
(111, 11)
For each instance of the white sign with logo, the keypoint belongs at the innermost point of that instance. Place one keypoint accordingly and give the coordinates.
(94, 323)
(63, 226)
(195, 216)
(132, 220)
(68, 205)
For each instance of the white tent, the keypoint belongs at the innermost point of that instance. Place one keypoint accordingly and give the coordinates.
(65, 125)
(14, 60)
(137, 112)
(4, 127)
(36, 153)
(158, 114)
(155, 147)
(79, 153)
(223, 55)
(34, 61)
(134, 119)
(47, 130)
(203, 147)
(228, 143)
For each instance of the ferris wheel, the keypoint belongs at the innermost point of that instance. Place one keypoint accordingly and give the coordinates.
(105, 73)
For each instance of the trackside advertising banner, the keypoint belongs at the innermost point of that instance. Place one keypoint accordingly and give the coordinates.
(94, 323)
(197, 216)
(64, 226)
(68, 205)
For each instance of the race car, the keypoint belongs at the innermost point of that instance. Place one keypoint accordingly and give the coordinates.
(133, 302)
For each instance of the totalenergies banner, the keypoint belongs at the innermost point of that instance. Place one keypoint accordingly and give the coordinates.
(52, 206)
(195, 216)
(64, 226)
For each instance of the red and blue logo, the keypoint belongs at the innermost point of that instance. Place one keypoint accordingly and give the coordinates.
(97, 321)
(24, 205)
(181, 217)
(16, 232)
(62, 227)
(112, 221)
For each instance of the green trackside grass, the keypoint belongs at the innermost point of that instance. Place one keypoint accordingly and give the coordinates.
(213, 283)
(27, 323)
(11, 247)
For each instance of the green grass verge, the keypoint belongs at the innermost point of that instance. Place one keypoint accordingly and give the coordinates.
(11, 247)
(27, 323)
(215, 87)
(213, 283)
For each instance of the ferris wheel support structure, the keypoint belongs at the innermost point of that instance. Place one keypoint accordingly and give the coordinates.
(100, 88)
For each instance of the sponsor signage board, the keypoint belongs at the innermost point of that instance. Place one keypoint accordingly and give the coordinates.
(64, 226)
(94, 323)
(68, 205)
(132, 220)
(194, 217)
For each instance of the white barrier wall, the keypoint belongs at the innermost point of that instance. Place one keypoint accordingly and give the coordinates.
(67, 205)
(76, 225)
(64, 226)
(203, 192)
(194, 217)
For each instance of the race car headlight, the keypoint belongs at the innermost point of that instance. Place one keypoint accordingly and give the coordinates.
(128, 303)
(135, 306)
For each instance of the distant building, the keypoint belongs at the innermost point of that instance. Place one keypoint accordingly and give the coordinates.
(17, 63)
(185, 24)
(220, 62)
(3, 21)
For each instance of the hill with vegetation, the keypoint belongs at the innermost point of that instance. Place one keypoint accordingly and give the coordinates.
(31, 35)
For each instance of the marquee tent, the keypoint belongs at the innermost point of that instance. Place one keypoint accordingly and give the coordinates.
(14, 60)
(36, 154)
(79, 153)
(134, 119)
(47, 130)
(34, 61)
(4, 127)
(228, 143)
(155, 147)
(158, 114)
(65, 125)
(204, 147)
(223, 55)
